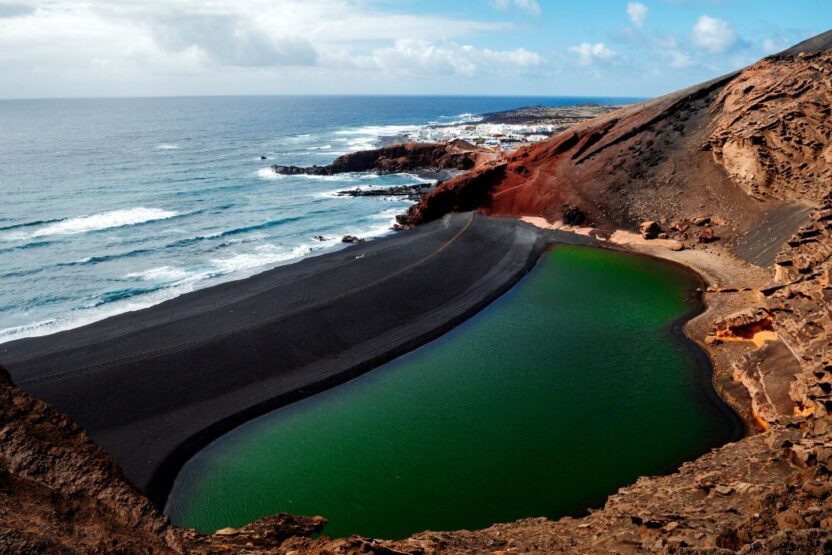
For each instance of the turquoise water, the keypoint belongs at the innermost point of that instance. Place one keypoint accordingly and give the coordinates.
(563, 390)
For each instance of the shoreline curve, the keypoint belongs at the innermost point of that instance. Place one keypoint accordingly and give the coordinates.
(128, 441)
(155, 386)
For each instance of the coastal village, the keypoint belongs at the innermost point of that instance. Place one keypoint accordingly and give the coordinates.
(493, 136)
(509, 130)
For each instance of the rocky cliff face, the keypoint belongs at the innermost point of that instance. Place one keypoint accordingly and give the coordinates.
(772, 127)
(760, 134)
(60, 493)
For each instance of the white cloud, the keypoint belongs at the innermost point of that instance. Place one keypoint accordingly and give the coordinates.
(772, 45)
(425, 58)
(637, 13)
(530, 6)
(588, 54)
(714, 35)
(107, 46)
(669, 50)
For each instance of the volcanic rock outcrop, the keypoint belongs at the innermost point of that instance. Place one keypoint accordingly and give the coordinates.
(453, 155)
(60, 493)
(760, 134)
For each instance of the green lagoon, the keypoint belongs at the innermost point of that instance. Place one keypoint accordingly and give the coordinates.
(568, 387)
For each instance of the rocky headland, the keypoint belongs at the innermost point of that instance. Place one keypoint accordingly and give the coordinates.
(562, 117)
(412, 192)
(400, 158)
(731, 178)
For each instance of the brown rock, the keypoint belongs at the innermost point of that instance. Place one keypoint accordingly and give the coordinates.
(724, 490)
(649, 229)
(706, 235)
(789, 520)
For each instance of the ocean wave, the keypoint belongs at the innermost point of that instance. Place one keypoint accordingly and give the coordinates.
(92, 260)
(30, 224)
(168, 146)
(263, 255)
(163, 274)
(39, 301)
(389, 215)
(96, 222)
(348, 176)
(379, 130)
(269, 174)
(363, 143)
(264, 225)
(167, 282)
(119, 302)
(367, 137)
(33, 245)
(122, 294)
(235, 231)
(466, 117)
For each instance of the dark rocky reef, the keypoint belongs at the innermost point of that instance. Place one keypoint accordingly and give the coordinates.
(560, 116)
(412, 192)
(406, 157)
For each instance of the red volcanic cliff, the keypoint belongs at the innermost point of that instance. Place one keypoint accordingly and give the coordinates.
(760, 134)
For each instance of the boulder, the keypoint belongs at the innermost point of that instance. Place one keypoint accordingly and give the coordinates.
(649, 229)
(572, 215)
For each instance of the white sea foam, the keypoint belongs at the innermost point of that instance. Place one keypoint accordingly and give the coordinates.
(88, 316)
(362, 143)
(168, 146)
(379, 130)
(263, 255)
(96, 222)
(365, 138)
(105, 220)
(269, 174)
(217, 270)
(164, 274)
(339, 177)
(388, 215)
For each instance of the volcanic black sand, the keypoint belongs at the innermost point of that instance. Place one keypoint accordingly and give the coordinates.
(154, 386)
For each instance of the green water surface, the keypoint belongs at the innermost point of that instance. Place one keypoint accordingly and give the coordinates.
(566, 388)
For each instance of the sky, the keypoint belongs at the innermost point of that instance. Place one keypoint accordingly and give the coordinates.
(100, 48)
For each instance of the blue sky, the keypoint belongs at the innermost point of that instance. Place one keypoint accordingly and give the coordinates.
(58, 48)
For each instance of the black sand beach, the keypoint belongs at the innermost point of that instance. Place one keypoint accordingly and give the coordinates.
(154, 386)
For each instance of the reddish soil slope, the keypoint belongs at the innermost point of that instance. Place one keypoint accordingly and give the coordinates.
(719, 148)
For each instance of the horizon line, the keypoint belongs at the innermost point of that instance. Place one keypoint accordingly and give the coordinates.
(320, 95)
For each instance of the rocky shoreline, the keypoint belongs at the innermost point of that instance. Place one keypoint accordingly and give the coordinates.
(411, 192)
(399, 158)
(562, 117)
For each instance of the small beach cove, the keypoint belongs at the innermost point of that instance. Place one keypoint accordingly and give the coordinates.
(571, 385)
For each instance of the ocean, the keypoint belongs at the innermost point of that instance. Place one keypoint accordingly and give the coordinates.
(113, 205)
